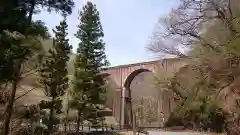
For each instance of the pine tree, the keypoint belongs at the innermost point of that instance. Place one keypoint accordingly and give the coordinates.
(89, 91)
(16, 16)
(54, 72)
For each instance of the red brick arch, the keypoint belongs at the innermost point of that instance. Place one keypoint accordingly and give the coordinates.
(128, 120)
(132, 75)
(123, 75)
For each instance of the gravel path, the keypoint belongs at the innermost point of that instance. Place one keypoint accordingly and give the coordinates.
(173, 133)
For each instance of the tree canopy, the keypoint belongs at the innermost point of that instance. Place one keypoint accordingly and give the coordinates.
(209, 33)
(89, 91)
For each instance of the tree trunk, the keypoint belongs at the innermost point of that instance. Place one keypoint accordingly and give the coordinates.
(32, 127)
(66, 121)
(50, 124)
(33, 3)
(78, 121)
(9, 106)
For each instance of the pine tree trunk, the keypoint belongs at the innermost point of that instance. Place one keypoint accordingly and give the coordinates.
(66, 121)
(9, 106)
(32, 127)
(9, 109)
(33, 3)
(50, 124)
(65, 127)
(78, 121)
(67, 113)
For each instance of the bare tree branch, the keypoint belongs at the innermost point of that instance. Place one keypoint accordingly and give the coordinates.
(187, 22)
(230, 9)
(26, 92)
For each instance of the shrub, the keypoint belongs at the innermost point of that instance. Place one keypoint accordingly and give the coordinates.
(207, 116)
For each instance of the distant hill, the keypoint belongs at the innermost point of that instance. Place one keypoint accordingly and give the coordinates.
(35, 94)
(48, 44)
(31, 81)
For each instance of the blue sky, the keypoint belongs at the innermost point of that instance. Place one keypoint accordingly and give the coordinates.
(127, 25)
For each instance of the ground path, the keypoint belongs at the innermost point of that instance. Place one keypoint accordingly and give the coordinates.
(176, 133)
(173, 133)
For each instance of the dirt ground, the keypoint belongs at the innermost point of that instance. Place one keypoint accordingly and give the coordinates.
(171, 133)
(189, 131)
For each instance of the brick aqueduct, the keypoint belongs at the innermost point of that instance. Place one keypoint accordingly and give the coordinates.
(122, 76)
(121, 98)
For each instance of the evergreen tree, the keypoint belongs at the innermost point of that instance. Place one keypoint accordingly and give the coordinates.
(89, 91)
(54, 73)
(17, 51)
(16, 17)
(13, 11)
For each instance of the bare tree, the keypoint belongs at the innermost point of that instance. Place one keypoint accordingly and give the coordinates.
(208, 25)
(185, 25)
(211, 26)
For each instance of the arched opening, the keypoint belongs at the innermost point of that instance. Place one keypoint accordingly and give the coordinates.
(130, 78)
(142, 100)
